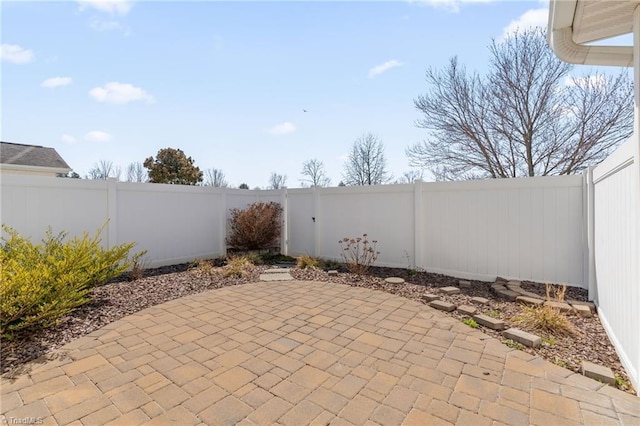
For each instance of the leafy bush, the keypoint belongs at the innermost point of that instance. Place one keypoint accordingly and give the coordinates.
(256, 227)
(41, 283)
(307, 261)
(358, 254)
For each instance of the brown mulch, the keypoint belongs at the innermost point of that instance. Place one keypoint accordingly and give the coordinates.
(118, 299)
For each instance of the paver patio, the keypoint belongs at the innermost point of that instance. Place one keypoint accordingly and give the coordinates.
(297, 353)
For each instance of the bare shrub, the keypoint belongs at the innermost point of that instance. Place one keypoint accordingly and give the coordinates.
(545, 319)
(358, 253)
(256, 227)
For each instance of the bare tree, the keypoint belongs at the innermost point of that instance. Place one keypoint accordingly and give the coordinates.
(315, 175)
(527, 117)
(366, 164)
(136, 173)
(277, 181)
(215, 178)
(104, 170)
(410, 176)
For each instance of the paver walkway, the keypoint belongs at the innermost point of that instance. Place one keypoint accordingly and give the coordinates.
(298, 353)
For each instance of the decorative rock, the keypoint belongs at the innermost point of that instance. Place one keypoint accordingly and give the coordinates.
(492, 323)
(464, 284)
(467, 310)
(529, 301)
(583, 311)
(450, 290)
(523, 337)
(332, 273)
(507, 294)
(272, 276)
(575, 303)
(277, 271)
(442, 305)
(514, 282)
(598, 372)
(563, 307)
(394, 280)
(479, 300)
(430, 297)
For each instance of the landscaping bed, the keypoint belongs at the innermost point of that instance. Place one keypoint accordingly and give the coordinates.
(123, 297)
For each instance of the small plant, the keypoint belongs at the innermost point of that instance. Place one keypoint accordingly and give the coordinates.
(256, 227)
(137, 270)
(560, 363)
(549, 341)
(204, 266)
(492, 314)
(358, 253)
(621, 383)
(41, 283)
(470, 322)
(328, 265)
(307, 262)
(237, 267)
(545, 319)
(513, 344)
(555, 293)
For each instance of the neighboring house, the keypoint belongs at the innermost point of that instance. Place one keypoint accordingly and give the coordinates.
(17, 158)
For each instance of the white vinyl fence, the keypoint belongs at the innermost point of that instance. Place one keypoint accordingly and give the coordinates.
(614, 235)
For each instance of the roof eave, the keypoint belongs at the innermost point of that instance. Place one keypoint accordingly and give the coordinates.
(561, 40)
(63, 170)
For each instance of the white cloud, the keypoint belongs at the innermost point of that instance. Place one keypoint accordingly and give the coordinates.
(66, 138)
(97, 136)
(379, 69)
(450, 5)
(283, 129)
(119, 93)
(112, 7)
(53, 82)
(530, 19)
(103, 25)
(15, 54)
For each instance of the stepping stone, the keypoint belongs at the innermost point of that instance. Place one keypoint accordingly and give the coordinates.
(332, 273)
(583, 311)
(430, 297)
(442, 305)
(575, 303)
(563, 307)
(394, 280)
(529, 301)
(277, 271)
(450, 290)
(492, 323)
(598, 372)
(467, 310)
(464, 284)
(523, 337)
(276, 277)
(479, 300)
(507, 294)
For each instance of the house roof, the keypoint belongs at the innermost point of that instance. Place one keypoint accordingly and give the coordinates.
(573, 24)
(31, 155)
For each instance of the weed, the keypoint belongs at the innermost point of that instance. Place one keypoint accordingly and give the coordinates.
(513, 344)
(204, 266)
(545, 319)
(307, 261)
(470, 322)
(621, 383)
(560, 363)
(549, 340)
(327, 264)
(137, 270)
(492, 314)
(358, 253)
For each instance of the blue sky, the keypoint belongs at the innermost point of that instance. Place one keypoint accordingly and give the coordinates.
(227, 82)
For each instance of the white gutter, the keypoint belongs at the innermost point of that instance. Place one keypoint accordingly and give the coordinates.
(33, 169)
(560, 37)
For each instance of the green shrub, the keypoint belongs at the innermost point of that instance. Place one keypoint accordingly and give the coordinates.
(256, 227)
(41, 283)
(358, 253)
(308, 262)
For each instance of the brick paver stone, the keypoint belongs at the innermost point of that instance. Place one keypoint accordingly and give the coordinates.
(450, 290)
(294, 353)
